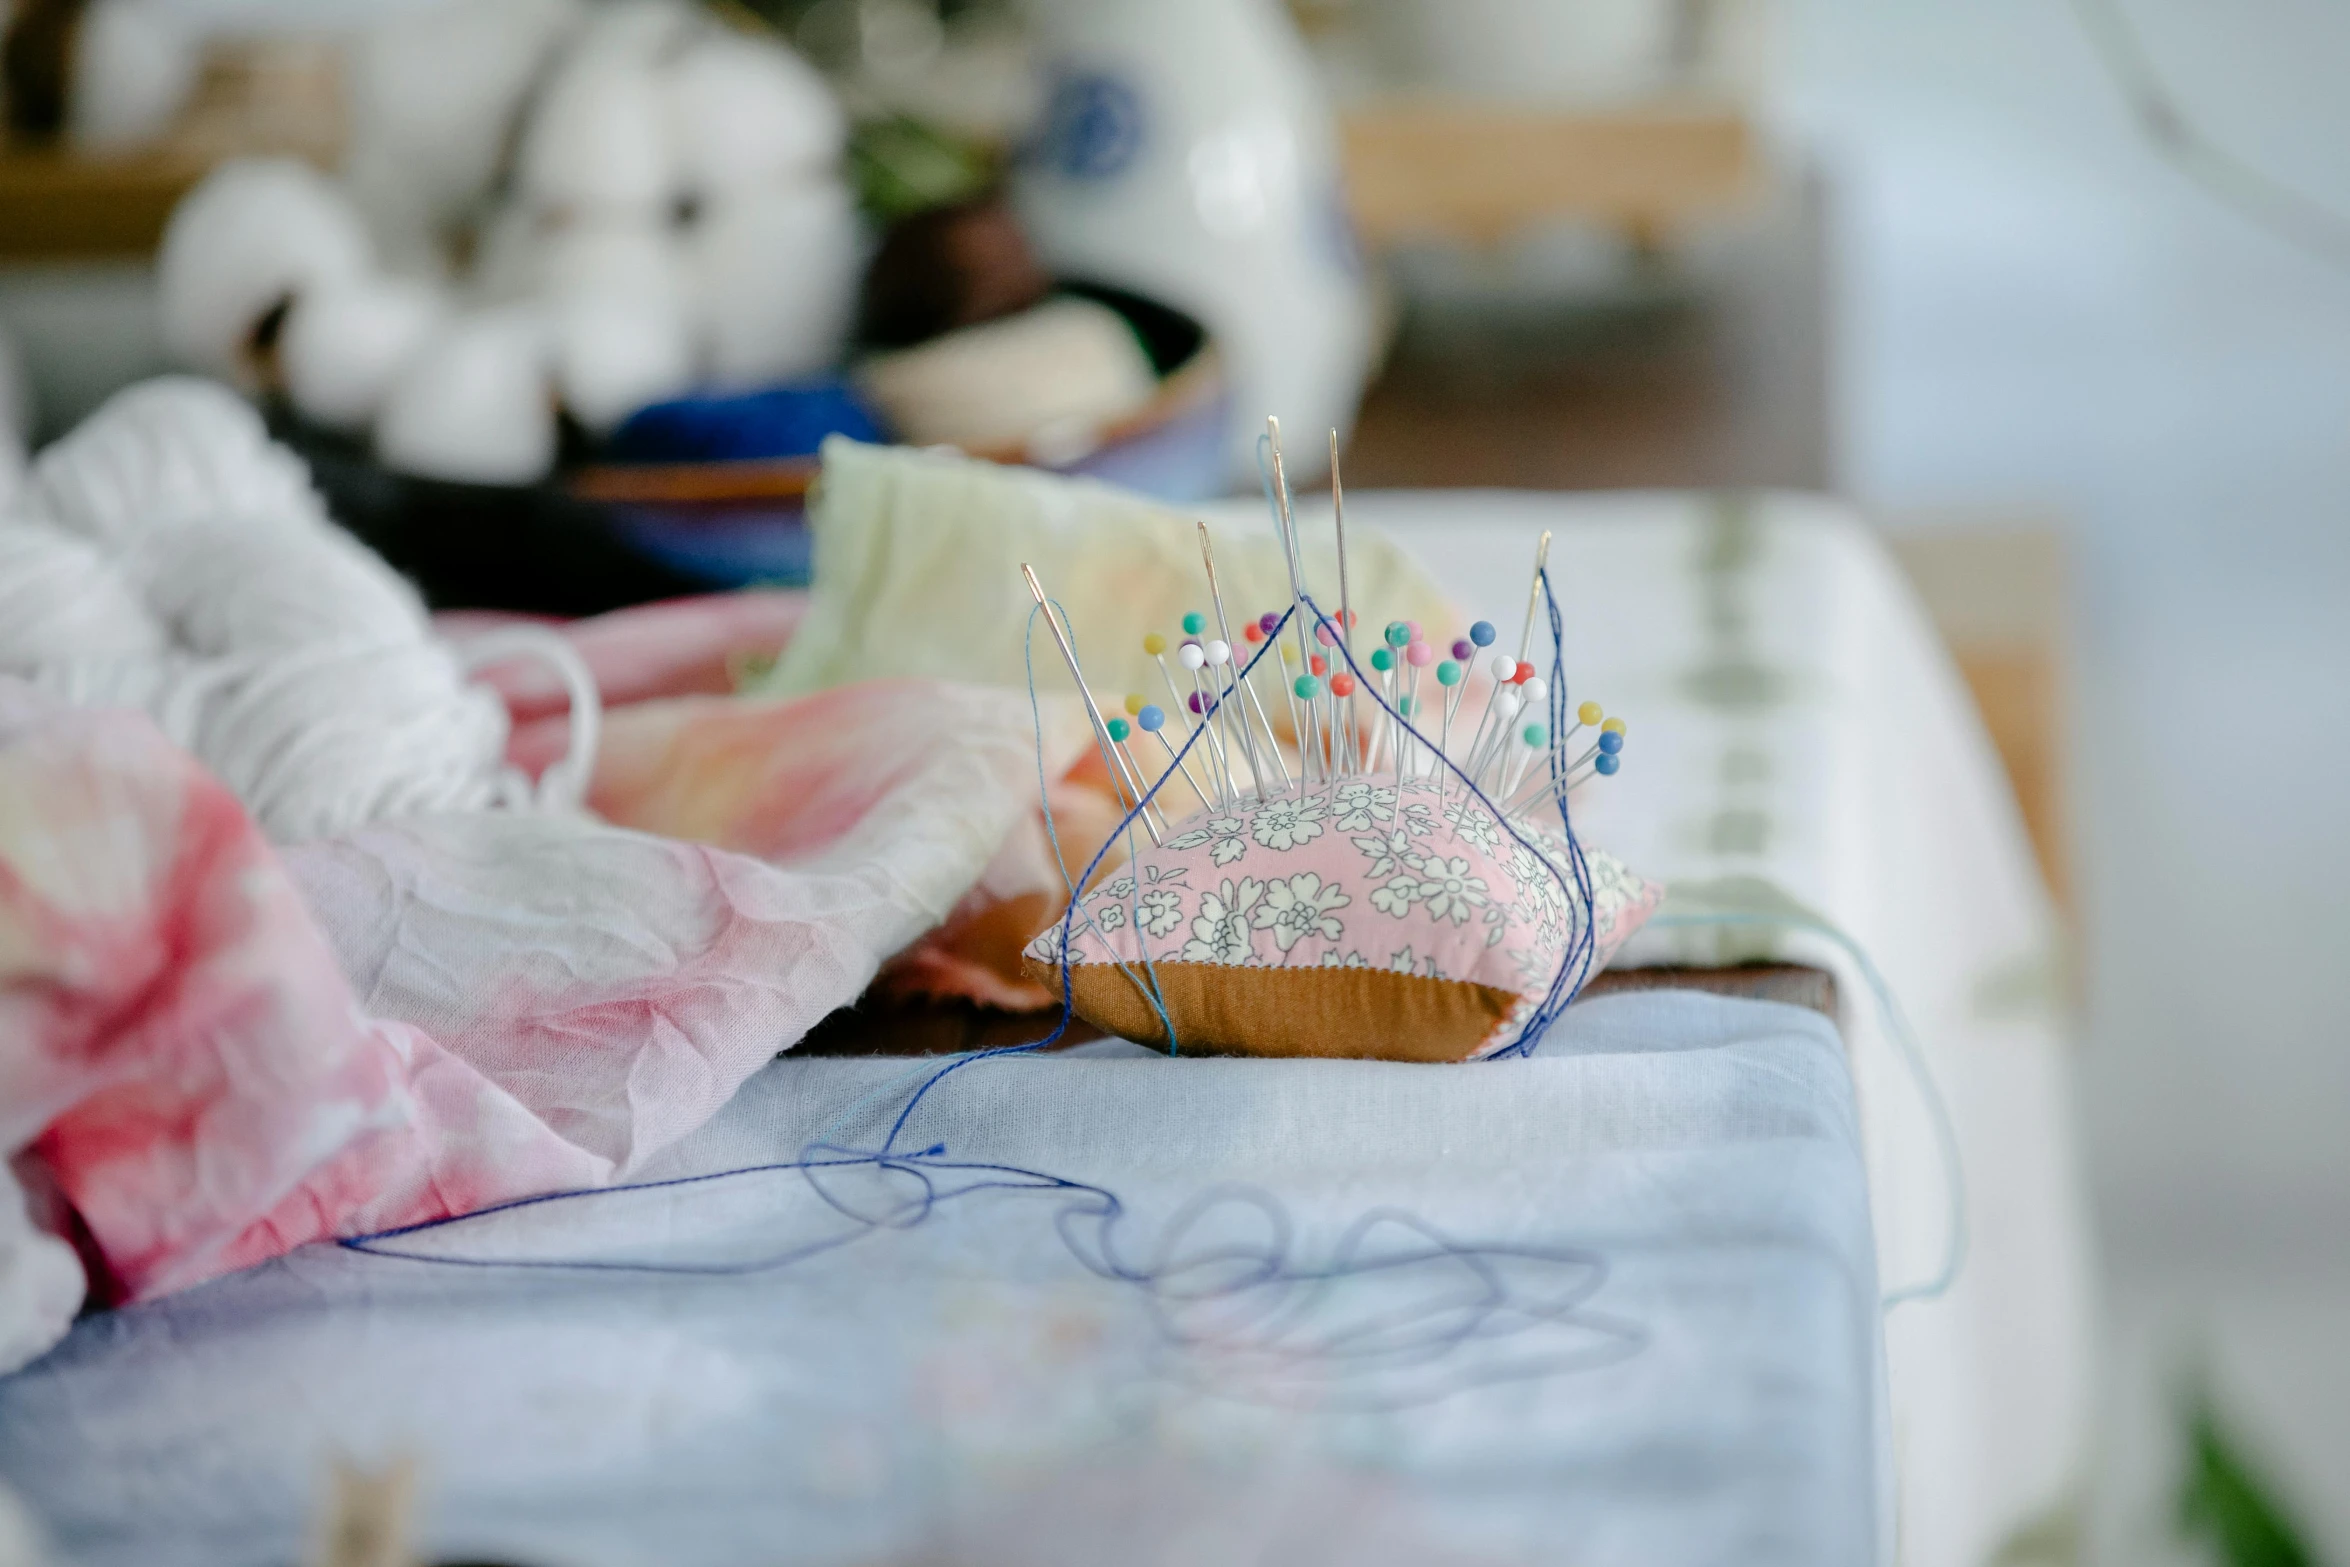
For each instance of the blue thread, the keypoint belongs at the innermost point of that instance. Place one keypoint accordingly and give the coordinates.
(1275, 1336)
(1913, 1056)
(1385, 1344)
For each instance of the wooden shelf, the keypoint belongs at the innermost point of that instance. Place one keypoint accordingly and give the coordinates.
(55, 206)
(1442, 169)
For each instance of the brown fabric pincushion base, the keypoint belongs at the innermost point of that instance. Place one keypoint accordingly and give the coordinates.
(1225, 1009)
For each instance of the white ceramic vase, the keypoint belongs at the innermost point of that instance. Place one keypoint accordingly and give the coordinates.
(1187, 154)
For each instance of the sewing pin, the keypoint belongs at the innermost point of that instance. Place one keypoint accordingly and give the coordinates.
(1153, 721)
(1093, 709)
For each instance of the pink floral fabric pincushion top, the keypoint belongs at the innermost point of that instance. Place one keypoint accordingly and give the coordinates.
(1347, 920)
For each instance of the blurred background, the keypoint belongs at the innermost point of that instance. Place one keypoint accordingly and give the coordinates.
(2057, 294)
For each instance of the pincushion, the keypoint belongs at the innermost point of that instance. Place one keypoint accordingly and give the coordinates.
(1341, 920)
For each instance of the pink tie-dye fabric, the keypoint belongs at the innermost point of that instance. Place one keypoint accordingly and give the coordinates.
(178, 1050)
(215, 1051)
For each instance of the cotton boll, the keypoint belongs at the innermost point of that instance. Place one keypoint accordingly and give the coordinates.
(345, 341)
(433, 90)
(473, 405)
(746, 111)
(134, 66)
(599, 142)
(254, 233)
(614, 353)
(775, 281)
(636, 32)
(609, 257)
(509, 256)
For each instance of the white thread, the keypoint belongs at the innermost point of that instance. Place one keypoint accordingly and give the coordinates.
(167, 556)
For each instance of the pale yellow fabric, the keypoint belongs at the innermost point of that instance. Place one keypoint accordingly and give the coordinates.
(917, 572)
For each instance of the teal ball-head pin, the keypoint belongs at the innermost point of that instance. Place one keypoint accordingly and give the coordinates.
(1306, 686)
(1194, 623)
(1382, 660)
(1607, 762)
(1398, 633)
(1448, 673)
(1535, 735)
(1119, 731)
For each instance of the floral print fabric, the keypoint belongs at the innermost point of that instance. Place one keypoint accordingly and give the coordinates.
(1357, 875)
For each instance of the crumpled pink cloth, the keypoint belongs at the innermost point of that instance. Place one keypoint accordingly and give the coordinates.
(678, 647)
(764, 776)
(215, 1051)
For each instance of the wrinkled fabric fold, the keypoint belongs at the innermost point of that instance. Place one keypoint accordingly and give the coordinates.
(216, 1052)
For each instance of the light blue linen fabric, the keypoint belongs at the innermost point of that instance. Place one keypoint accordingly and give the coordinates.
(1614, 1304)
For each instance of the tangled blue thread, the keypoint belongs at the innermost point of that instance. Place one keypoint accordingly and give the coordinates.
(1267, 1304)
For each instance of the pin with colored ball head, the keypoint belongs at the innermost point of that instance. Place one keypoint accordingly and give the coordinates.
(1318, 665)
(1134, 703)
(1127, 777)
(1606, 763)
(1252, 633)
(1497, 667)
(1269, 622)
(1217, 743)
(1306, 686)
(1610, 742)
(1192, 707)
(1194, 658)
(1614, 726)
(1482, 633)
(1119, 731)
(1219, 654)
(1463, 649)
(1382, 660)
(1153, 644)
(1590, 713)
(1194, 623)
(1324, 635)
(1152, 721)
(1398, 634)
(1448, 676)
(1342, 684)
(1535, 736)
